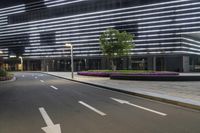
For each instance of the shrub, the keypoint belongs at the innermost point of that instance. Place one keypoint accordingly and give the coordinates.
(3, 73)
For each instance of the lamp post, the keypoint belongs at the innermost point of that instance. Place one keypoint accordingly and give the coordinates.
(72, 60)
(1, 53)
(21, 59)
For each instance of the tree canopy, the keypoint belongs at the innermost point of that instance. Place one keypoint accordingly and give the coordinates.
(115, 43)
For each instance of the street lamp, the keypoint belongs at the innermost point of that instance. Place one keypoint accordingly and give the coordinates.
(72, 60)
(1, 52)
(21, 59)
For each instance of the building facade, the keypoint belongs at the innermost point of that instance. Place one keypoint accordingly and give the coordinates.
(167, 34)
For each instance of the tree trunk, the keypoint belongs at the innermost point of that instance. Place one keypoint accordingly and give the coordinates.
(113, 66)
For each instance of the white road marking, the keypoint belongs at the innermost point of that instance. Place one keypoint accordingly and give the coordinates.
(134, 105)
(36, 77)
(92, 108)
(23, 76)
(54, 87)
(42, 81)
(51, 128)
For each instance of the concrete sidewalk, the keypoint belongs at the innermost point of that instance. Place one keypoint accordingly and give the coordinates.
(182, 93)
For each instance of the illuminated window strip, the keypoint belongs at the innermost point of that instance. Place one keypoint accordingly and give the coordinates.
(11, 7)
(29, 32)
(81, 44)
(86, 21)
(135, 7)
(53, 5)
(112, 22)
(189, 48)
(156, 13)
(138, 53)
(167, 25)
(105, 27)
(188, 39)
(13, 10)
(12, 13)
(159, 12)
(81, 15)
(191, 44)
(97, 47)
(138, 40)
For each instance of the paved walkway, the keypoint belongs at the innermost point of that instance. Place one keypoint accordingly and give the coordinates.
(186, 92)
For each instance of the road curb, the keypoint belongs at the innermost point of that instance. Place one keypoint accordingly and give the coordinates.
(183, 104)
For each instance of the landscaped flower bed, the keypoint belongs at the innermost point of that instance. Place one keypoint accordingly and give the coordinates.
(97, 74)
(147, 74)
(5, 76)
(155, 77)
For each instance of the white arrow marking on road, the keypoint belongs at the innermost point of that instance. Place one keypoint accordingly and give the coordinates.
(54, 87)
(92, 108)
(128, 103)
(51, 128)
(42, 81)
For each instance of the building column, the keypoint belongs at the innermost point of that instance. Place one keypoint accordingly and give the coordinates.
(28, 65)
(43, 64)
(154, 63)
(151, 63)
(130, 63)
(186, 64)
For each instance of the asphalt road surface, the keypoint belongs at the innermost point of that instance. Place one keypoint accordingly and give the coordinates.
(38, 103)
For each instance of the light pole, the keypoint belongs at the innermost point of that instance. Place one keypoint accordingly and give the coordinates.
(1, 53)
(72, 60)
(21, 59)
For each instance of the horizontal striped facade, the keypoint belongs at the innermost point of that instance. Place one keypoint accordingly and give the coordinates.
(159, 28)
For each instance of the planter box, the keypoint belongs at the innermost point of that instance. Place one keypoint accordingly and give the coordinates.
(97, 74)
(155, 77)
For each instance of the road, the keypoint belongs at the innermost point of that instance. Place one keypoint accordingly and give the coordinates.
(38, 103)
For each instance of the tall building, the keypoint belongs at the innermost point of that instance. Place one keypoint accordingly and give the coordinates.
(167, 33)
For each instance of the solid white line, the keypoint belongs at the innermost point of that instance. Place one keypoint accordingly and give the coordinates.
(45, 116)
(92, 108)
(54, 87)
(42, 81)
(150, 110)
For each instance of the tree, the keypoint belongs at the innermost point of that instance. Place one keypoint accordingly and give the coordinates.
(114, 44)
